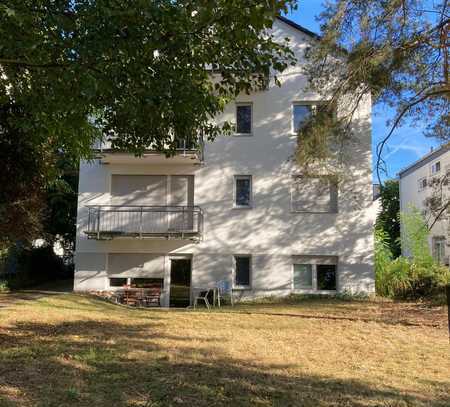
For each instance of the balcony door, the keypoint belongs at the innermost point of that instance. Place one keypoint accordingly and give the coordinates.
(129, 193)
(181, 196)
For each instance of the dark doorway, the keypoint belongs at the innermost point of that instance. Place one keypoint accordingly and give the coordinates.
(180, 282)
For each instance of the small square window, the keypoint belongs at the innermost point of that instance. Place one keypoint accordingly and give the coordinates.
(303, 276)
(326, 277)
(300, 113)
(242, 191)
(244, 119)
(117, 282)
(242, 265)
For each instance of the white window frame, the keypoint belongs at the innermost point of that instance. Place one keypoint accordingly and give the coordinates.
(251, 119)
(314, 288)
(250, 272)
(250, 204)
(313, 103)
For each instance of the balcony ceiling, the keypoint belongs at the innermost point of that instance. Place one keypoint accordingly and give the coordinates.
(153, 158)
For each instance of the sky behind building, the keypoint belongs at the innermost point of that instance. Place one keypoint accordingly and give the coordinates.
(408, 143)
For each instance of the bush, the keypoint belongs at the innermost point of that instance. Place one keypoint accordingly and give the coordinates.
(413, 277)
(32, 266)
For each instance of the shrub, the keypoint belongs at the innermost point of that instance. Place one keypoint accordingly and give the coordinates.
(413, 277)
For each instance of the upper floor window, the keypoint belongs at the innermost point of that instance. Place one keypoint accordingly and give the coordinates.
(242, 191)
(436, 167)
(244, 119)
(314, 194)
(300, 113)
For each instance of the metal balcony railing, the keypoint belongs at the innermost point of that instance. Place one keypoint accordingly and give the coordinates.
(110, 221)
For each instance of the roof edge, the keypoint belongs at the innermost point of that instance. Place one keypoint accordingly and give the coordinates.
(299, 27)
(426, 158)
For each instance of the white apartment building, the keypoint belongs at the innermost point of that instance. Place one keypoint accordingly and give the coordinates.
(421, 181)
(235, 212)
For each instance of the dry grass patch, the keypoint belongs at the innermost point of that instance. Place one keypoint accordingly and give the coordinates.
(72, 350)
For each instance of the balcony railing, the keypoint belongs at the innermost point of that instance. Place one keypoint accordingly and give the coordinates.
(110, 221)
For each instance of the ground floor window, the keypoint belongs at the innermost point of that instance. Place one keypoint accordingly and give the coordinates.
(314, 276)
(146, 282)
(118, 282)
(137, 282)
(242, 271)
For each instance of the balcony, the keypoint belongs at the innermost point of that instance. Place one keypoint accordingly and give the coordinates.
(186, 153)
(106, 222)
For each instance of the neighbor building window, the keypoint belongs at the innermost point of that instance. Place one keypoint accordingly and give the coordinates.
(244, 119)
(436, 167)
(300, 113)
(242, 191)
(439, 249)
(422, 183)
(117, 282)
(242, 270)
(314, 195)
(303, 276)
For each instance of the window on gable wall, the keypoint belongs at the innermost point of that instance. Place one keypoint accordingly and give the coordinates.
(243, 191)
(314, 195)
(244, 119)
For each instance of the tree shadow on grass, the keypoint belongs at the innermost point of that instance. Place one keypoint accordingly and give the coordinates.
(106, 363)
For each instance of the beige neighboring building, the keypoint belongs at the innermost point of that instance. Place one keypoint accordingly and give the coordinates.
(418, 183)
(234, 213)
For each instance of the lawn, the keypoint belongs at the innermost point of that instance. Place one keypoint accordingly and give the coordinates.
(74, 350)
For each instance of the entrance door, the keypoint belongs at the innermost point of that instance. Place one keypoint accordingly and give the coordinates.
(180, 282)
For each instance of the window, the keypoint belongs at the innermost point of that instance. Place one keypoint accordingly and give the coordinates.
(117, 282)
(303, 276)
(422, 183)
(326, 277)
(314, 195)
(314, 273)
(146, 282)
(242, 191)
(436, 167)
(439, 249)
(300, 113)
(242, 266)
(244, 119)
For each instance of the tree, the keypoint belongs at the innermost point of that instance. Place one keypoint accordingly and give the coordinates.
(142, 73)
(388, 219)
(395, 50)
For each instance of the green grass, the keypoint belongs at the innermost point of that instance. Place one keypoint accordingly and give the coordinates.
(74, 350)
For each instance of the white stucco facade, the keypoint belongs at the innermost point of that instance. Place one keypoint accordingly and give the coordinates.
(416, 186)
(270, 232)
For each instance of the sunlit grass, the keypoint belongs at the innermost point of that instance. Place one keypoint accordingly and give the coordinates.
(73, 350)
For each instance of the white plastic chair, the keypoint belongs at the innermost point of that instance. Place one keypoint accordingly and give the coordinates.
(202, 296)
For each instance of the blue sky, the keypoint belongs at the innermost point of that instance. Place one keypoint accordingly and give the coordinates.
(408, 143)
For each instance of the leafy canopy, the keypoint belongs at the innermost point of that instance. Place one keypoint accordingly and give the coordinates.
(395, 50)
(143, 73)
(138, 70)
